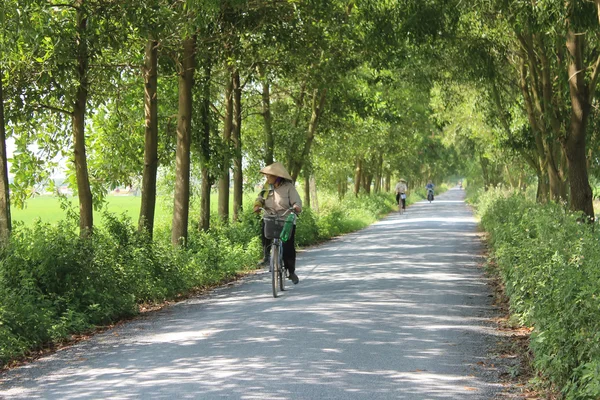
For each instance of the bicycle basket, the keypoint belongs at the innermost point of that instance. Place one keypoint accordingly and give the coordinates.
(273, 226)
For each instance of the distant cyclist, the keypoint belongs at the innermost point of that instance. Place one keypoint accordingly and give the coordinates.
(429, 188)
(401, 189)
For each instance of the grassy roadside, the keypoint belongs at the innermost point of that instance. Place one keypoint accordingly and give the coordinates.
(547, 267)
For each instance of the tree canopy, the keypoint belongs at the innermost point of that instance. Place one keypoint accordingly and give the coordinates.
(351, 93)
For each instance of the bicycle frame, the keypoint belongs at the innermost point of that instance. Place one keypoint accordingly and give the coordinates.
(278, 271)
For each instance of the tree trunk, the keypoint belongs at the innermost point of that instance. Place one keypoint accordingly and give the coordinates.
(148, 205)
(485, 163)
(86, 215)
(378, 174)
(266, 113)
(306, 202)
(557, 187)
(236, 137)
(181, 207)
(5, 219)
(388, 181)
(368, 179)
(318, 103)
(581, 192)
(543, 192)
(223, 203)
(313, 194)
(207, 179)
(357, 176)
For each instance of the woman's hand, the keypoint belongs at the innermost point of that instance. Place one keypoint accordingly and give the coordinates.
(257, 209)
(297, 209)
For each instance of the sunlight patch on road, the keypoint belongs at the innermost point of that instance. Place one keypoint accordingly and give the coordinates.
(183, 338)
(433, 218)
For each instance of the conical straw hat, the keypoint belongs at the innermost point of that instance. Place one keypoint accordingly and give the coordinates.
(276, 169)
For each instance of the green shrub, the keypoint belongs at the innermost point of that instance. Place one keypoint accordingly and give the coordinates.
(550, 264)
(307, 229)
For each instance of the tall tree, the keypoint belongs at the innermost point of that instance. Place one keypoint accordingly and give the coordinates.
(236, 138)
(204, 143)
(223, 202)
(82, 57)
(582, 89)
(181, 208)
(148, 203)
(5, 218)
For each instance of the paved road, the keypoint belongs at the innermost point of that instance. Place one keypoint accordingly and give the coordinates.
(396, 311)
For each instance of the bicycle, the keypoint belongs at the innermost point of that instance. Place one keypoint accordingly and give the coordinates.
(430, 195)
(273, 227)
(402, 203)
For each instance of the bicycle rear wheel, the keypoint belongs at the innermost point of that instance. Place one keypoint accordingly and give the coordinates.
(275, 268)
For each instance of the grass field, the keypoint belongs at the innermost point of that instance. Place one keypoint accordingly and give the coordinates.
(47, 208)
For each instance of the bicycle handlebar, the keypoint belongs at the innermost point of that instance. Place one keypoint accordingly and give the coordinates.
(289, 210)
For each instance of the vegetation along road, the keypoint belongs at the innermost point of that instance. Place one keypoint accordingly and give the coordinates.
(397, 310)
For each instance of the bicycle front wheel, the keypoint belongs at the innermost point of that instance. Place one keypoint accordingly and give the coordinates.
(281, 276)
(275, 266)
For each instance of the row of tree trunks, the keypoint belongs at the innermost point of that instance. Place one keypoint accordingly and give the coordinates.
(148, 202)
(5, 218)
(181, 207)
(560, 155)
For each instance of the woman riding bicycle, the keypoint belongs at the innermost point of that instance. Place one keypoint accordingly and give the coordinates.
(278, 196)
(401, 189)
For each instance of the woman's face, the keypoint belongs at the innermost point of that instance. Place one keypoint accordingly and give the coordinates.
(271, 179)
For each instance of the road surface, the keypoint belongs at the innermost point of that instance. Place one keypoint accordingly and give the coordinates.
(399, 310)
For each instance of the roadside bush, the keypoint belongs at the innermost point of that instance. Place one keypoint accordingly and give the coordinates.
(307, 229)
(550, 264)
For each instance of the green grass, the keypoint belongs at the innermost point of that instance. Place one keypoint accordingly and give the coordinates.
(47, 209)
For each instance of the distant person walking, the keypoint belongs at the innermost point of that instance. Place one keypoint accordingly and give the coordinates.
(401, 189)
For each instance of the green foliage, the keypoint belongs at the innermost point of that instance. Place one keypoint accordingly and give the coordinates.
(54, 283)
(550, 263)
(307, 229)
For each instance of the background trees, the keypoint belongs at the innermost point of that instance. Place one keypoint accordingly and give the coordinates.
(348, 94)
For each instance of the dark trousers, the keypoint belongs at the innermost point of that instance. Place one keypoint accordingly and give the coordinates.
(289, 248)
(398, 201)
